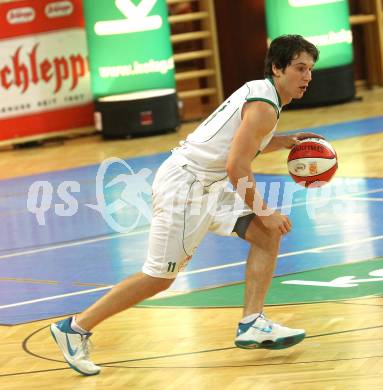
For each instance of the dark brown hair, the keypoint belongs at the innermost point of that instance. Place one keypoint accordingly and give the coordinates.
(284, 49)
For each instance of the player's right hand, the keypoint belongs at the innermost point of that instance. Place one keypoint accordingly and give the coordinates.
(276, 222)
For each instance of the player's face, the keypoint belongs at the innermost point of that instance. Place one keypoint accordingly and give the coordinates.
(296, 77)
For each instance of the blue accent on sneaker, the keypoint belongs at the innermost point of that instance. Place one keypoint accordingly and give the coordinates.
(286, 342)
(268, 329)
(72, 352)
(263, 341)
(64, 326)
(242, 328)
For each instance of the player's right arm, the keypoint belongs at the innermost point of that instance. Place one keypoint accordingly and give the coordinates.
(258, 119)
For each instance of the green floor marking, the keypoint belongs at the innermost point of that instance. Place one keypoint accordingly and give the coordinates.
(343, 281)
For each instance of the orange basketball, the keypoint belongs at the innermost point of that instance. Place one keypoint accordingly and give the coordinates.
(312, 163)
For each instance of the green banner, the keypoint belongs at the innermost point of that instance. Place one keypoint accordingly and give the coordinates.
(325, 23)
(129, 46)
(344, 281)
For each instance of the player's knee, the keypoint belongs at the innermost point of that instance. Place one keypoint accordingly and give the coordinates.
(255, 235)
(269, 240)
(274, 235)
(274, 241)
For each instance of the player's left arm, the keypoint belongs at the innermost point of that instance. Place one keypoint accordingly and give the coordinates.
(288, 141)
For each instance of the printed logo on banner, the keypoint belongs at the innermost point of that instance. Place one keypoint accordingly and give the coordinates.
(58, 9)
(43, 72)
(27, 69)
(21, 15)
(136, 19)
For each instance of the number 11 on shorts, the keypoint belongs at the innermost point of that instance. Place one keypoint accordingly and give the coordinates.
(171, 266)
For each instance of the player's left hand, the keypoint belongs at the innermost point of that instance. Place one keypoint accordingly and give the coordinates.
(295, 139)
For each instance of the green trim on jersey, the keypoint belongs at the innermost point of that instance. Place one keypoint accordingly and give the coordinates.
(272, 82)
(266, 101)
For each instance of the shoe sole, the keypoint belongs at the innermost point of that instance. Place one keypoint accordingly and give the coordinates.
(281, 343)
(70, 364)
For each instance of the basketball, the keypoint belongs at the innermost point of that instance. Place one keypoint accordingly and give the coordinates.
(312, 163)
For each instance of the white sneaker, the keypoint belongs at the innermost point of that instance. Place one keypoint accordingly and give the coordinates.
(263, 333)
(74, 346)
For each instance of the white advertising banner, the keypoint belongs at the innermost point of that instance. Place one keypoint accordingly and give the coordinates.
(44, 75)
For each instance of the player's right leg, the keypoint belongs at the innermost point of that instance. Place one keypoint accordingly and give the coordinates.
(72, 337)
(167, 253)
(74, 346)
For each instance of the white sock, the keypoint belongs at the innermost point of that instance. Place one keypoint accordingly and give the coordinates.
(77, 328)
(251, 317)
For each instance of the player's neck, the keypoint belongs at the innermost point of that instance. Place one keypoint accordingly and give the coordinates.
(284, 96)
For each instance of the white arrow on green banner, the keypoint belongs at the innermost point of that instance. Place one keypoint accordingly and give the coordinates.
(341, 282)
(136, 19)
(129, 46)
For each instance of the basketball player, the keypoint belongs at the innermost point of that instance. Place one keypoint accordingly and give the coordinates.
(190, 198)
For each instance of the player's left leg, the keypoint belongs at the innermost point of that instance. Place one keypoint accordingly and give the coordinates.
(260, 263)
(180, 220)
(255, 330)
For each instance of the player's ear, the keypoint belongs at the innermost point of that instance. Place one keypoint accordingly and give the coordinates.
(276, 71)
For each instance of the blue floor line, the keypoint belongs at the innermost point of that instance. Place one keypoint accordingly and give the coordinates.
(345, 130)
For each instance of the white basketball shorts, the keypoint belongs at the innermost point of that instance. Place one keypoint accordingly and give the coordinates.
(183, 212)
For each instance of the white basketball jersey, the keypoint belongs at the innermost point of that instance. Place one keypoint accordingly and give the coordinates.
(206, 150)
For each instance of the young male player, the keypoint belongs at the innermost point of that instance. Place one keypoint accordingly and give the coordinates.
(221, 149)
